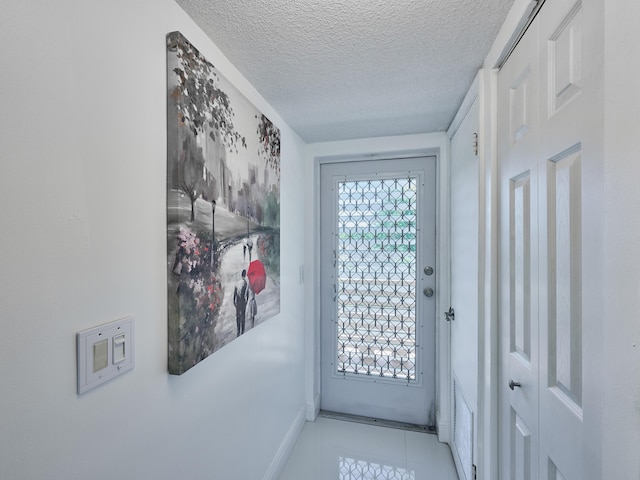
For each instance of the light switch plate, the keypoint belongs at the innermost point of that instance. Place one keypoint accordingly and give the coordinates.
(104, 352)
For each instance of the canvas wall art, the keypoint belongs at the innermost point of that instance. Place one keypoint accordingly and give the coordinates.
(223, 209)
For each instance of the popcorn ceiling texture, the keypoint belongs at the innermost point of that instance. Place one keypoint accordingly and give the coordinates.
(337, 70)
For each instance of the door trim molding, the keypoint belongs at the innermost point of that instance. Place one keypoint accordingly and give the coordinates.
(410, 400)
(435, 144)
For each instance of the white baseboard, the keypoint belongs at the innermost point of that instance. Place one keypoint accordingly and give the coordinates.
(286, 447)
(444, 434)
(313, 409)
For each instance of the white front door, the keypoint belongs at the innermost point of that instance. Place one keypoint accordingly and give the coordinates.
(543, 116)
(378, 283)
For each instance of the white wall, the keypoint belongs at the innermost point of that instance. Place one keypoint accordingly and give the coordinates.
(621, 280)
(83, 241)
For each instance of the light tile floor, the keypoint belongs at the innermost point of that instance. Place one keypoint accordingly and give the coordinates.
(330, 449)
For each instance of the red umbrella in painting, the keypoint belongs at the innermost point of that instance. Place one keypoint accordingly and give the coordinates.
(257, 276)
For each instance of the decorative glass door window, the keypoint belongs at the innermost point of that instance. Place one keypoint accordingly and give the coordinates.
(376, 278)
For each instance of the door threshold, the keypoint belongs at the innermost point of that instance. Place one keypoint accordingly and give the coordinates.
(377, 421)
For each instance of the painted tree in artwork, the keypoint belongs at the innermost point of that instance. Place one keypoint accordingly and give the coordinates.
(191, 163)
(269, 137)
(202, 108)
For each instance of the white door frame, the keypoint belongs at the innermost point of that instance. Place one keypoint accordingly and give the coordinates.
(367, 149)
(399, 399)
(466, 205)
(485, 452)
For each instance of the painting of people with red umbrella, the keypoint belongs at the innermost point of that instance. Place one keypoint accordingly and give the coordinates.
(223, 209)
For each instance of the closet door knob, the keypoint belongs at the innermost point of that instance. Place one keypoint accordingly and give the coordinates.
(513, 385)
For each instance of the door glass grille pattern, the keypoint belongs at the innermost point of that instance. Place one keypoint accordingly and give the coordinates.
(351, 469)
(376, 277)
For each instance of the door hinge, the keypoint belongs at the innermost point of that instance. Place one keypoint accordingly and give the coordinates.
(450, 314)
(475, 144)
(474, 472)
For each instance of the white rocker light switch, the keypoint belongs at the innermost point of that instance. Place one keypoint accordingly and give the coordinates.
(118, 349)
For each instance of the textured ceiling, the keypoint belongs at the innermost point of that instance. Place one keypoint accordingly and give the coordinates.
(343, 69)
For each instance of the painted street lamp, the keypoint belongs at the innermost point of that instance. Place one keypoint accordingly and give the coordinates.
(249, 242)
(213, 234)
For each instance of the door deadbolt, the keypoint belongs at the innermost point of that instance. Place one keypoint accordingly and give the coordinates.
(428, 292)
(428, 270)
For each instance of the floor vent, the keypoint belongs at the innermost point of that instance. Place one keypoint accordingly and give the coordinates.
(462, 432)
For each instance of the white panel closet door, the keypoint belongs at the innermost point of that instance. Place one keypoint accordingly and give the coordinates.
(519, 290)
(562, 124)
(543, 119)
